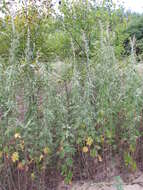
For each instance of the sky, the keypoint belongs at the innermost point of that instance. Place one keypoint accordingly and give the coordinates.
(133, 5)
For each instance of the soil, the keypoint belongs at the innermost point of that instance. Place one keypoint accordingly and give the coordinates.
(136, 184)
(114, 177)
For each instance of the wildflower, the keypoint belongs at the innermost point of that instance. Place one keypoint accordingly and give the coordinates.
(46, 150)
(89, 141)
(99, 158)
(85, 149)
(20, 166)
(32, 176)
(15, 157)
(102, 139)
(22, 146)
(41, 157)
(83, 125)
(17, 136)
(59, 81)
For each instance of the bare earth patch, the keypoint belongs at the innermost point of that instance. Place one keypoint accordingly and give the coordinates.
(136, 184)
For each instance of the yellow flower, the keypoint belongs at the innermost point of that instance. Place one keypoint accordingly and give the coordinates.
(59, 81)
(102, 139)
(32, 176)
(15, 157)
(17, 136)
(41, 157)
(46, 150)
(85, 149)
(89, 141)
(99, 158)
(1, 154)
(20, 166)
(22, 147)
(83, 125)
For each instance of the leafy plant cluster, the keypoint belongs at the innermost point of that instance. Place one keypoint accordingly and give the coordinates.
(135, 29)
(53, 113)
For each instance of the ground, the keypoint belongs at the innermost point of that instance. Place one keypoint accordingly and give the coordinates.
(136, 184)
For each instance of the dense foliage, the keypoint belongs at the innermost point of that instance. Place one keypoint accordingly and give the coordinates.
(135, 29)
(66, 98)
